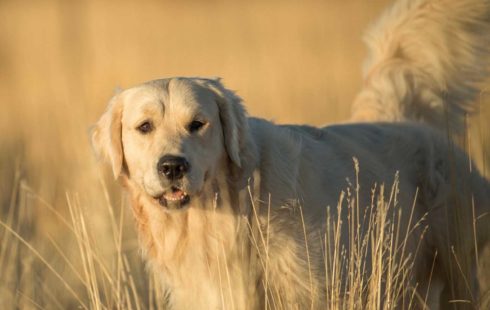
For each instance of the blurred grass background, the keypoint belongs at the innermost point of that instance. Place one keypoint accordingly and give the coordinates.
(60, 61)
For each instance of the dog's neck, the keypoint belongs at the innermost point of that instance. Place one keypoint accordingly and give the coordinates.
(278, 185)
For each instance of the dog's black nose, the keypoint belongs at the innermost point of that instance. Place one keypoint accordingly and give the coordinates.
(172, 167)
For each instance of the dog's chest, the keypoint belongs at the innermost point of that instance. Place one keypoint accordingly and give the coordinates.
(202, 259)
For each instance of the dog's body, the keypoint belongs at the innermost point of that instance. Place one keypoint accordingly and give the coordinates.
(233, 212)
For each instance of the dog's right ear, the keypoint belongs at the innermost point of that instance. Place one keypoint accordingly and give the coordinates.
(106, 135)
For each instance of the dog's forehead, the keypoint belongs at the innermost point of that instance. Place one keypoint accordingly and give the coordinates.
(189, 92)
(185, 95)
(185, 92)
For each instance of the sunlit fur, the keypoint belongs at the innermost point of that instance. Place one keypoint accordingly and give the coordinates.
(426, 61)
(252, 233)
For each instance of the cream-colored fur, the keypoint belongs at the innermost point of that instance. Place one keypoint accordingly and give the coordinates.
(253, 233)
(426, 60)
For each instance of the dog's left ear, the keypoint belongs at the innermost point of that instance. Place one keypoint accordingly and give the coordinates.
(238, 141)
(106, 135)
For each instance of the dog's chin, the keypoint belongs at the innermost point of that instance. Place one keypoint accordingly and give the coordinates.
(173, 198)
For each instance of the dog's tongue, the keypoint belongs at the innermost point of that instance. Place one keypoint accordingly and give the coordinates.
(176, 194)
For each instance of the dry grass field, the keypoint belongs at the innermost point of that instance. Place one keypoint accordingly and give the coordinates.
(66, 233)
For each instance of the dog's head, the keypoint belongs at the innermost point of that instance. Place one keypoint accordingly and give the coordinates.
(172, 136)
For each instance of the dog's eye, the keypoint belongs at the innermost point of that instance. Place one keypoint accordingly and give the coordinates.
(195, 126)
(145, 127)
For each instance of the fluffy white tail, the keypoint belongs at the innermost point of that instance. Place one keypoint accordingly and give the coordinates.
(427, 61)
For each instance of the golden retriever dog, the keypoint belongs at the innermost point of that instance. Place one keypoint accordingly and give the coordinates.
(233, 211)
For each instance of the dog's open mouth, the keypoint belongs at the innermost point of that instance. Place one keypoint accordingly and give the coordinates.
(174, 198)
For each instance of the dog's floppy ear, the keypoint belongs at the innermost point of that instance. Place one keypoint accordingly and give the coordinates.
(233, 120)
(106, 135)
(237, 138)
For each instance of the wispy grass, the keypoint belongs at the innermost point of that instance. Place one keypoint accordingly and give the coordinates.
(373, 270)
